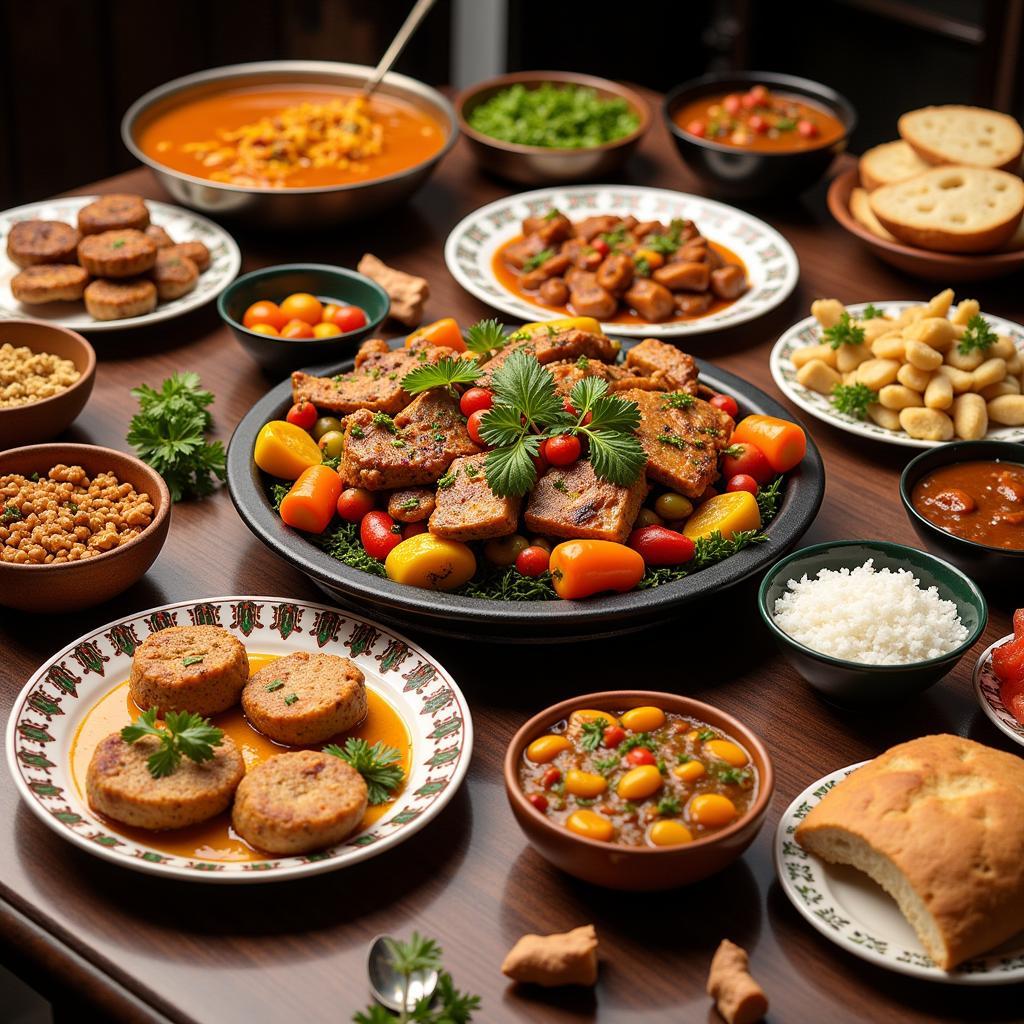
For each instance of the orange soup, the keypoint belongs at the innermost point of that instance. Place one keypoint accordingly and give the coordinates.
(215, 840)
(291, 136)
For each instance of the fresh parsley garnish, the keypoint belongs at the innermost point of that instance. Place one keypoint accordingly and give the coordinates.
(592, 733)
(376, 764)
(445, 373)
(733, 451)
(768, 499)
(486, 336)
(978, 336)
(641, 266)
(729, 775)
(853, 399)
(845, 332)
(666, 244)
(277, 684)
(706, 734)
(672, 439)
(356, 431)
(677, 400)
(604, 765)
(185, 734)
(639, 739)
(446, 481)
(192, 659)
(385, 422)
(12, 513)
(537, 259)
(871, 312)
(668, 806)
(409, 505)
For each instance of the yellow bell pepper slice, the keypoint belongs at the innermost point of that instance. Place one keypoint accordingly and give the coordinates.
(580, 323)
(727, 513)
(284, 450)
(431, 563)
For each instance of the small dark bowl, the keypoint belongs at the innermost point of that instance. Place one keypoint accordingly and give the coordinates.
(854, 682)
(548, 165)
(280, 355)
(638, 868)
(741, 173)
(990, 566)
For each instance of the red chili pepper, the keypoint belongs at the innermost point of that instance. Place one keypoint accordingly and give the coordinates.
(658, 545)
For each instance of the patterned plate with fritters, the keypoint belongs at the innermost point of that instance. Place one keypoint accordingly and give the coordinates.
(47, 715)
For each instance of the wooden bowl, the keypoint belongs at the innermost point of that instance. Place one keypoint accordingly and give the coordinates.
(69, 586)
(638, 868)
(948, 268)
(39, 421)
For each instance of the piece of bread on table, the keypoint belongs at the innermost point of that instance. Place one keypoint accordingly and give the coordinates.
(860, 207)
(963, 135)
(952, 209)
(888, 163)
(939, 824)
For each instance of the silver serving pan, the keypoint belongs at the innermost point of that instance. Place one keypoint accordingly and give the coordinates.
(287, 207)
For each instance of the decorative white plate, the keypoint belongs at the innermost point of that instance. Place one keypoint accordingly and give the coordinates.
(807, 332)
(182, 225)
(986, 686)
(54, 702)
(849, 909)
(771, 263)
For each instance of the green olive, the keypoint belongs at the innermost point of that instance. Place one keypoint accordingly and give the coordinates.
(541, 542)
(325, 424)
(505, 550)
(672, 506)
(648, 517)
(332, 444)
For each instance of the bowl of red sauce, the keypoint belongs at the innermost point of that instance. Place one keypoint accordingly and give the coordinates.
(965, 501)
(752, 134)
(638, 790)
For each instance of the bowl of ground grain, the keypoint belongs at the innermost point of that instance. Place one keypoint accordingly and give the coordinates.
(78, 525)
(46, 377)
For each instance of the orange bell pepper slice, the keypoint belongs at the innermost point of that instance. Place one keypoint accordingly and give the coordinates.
(580, 568)
(781, 442)
(444, 332)
(311, 503)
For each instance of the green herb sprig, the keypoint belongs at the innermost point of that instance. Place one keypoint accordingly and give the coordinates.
(844, 332)
(871, 312)
(537, 259)
(486, 337)
(978, 336)
(853, 399)
(377, 765)
(445, 373)
(185, 734)
(592, 733)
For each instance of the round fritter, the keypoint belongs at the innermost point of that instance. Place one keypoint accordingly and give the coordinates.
(112, 213)
(411, 504)
(160, 238)
(305, 698)
(126, 253)
(298, 802)
(31, 242)
(196, 252)
(119, 785)
(174, 275)
(118, 300)
(201, 669)
(50, 282)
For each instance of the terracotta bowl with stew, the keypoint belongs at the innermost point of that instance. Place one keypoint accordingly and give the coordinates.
(548, 165)
(39, 421)
(69, 586)
(987, 563)
(647, 867)
(757, 171)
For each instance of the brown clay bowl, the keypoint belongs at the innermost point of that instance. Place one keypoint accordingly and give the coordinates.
(68, 586)
(638, 868)
(39, 421)
(548, 165)
(948, 268)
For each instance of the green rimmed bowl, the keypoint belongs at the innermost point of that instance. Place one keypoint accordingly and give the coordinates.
(278, 355)
(851, 682)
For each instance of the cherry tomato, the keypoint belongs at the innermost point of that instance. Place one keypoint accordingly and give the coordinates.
(264, 312)
(726, 403)
(757, 124)
(749, 461)
(532, 561)
(539, 462)
(302, 414)
(601, 246)
(332, 444)
(378, 533)
(759, 93)
(732, 104)
(749, 101)
(563, 450)
(326, 330)
(475, 400)
(742, 482)
(539, 801)
(641, 755)
(329, 310)
(347, 318)
(573, 411)
(613, 736)
(659, 545)
(303, 306)
(411, 529)
(354, 503)
(273, 332)
(697, 127)
(296, 329)
(550, 777)
(808, 129)
(473, 426)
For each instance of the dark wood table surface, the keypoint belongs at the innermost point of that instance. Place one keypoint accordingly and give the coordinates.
(133, 947)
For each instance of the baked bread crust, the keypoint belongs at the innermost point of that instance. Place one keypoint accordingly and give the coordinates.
(954, 134)
(888, 163)
(939, 823)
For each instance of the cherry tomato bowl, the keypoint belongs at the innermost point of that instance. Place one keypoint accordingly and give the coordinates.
(616, 865)
(339, 286)
(539, 621)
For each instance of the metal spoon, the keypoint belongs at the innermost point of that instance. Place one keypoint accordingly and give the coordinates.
(386, 983)
(404, 34)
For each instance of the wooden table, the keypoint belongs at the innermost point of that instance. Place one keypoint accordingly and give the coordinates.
(140, 948)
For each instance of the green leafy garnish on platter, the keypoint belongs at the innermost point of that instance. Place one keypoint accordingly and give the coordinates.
(978, 336)
(485, 337)
(845, 332)
(537, 259)
(377, 764)
(185, 734)
(592, 733)
(445, 373)
(853, 399)
(871, 312)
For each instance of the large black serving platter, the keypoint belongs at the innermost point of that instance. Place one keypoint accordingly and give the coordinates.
(518, 621)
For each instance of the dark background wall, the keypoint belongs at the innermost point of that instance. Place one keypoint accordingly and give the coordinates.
(70, 68)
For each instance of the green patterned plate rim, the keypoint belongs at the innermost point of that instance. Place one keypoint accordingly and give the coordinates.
(48, 711)
(858, 916)
(986, 686)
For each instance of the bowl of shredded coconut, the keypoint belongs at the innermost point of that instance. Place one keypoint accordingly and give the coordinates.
(864, 621)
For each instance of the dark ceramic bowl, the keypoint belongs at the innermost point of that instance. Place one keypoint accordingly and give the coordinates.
(69, 586)
(521, 621)
(638, 868)
(39, 421)
(987, 565)
(547, 165)
(851, 682)
(281, 355)
(744, 174)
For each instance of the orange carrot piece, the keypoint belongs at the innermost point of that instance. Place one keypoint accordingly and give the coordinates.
(311, 503)
(782, 443)
(444, 332)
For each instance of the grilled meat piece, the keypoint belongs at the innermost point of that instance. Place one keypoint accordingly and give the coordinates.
(549, 348)
(411, 504)
(651, 300)
(664, 362)
(467, 508)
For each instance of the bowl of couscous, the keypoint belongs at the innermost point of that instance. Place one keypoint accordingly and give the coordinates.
(46, 377)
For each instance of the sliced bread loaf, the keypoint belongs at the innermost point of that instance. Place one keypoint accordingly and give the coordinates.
(952, 209)
(860, 207)
(964, 135)
(888, 163)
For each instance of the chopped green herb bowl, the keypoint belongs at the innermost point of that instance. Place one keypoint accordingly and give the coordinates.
(851, 682)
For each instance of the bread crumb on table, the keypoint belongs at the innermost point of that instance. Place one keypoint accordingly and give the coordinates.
(738, 998)
(569, 958)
